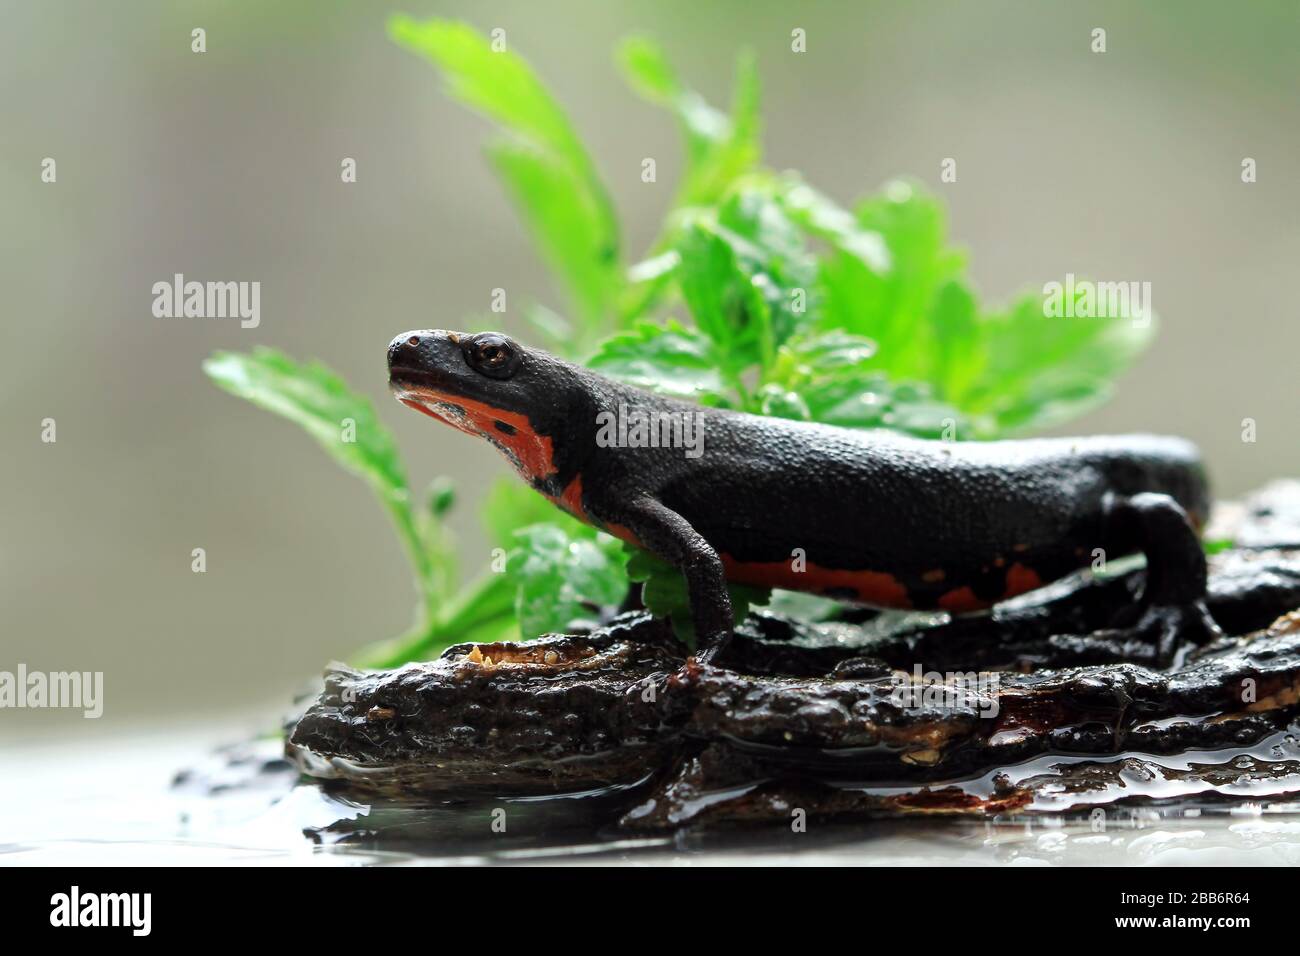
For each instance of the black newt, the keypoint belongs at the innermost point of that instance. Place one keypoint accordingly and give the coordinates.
(863, 515)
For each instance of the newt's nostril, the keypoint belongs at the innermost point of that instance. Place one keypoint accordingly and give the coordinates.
(406, 348)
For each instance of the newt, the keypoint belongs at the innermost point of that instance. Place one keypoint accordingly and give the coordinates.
(863, 515)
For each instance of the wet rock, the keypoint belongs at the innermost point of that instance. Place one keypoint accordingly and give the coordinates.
(886, 715)
(560, 713)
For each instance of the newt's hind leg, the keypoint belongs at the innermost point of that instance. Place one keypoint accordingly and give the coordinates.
(1176, 573)
(1171, 612)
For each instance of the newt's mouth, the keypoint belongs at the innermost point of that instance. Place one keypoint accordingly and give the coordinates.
(509, 431)
(425, 397)
(424, 389)
(404, 377)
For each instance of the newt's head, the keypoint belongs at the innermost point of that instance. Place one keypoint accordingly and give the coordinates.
(489, 386)
(433, 367)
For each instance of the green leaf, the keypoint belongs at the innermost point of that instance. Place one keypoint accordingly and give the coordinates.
(440, 496)
(746, 274)
(1214, 546)
(999, 371)
(499, 84)
(544, 165)
(823, 352)
(863, 398)
(568, 230)
(511, 505)
(740, 278)
(670, 359)
(650, 74)
(315, 398)
(560, 569)
(889, 306)
(740, 151)
(719, 148)
(775, 256)
(852, 296)
(959, 345)
(1037, 371)
(779, 402)
(715, 290)
(664, 593)
(803, 606)
(719, 151)
(561, 579)
(818, 216)
(828, 377)
(914, 410)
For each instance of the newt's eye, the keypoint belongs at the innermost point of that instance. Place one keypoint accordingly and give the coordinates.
(492, 354)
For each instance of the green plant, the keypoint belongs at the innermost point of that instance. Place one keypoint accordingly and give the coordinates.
(797, 308)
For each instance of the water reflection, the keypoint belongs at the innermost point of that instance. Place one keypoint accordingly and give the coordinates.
(245, 805)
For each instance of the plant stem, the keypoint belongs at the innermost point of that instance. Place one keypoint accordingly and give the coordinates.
(400, 510)
(488, 601)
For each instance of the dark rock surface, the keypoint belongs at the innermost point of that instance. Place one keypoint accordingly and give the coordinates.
(990, 714)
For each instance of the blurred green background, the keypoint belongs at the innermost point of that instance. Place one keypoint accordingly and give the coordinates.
(225, 166)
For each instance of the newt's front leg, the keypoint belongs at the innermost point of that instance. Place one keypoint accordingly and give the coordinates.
(669, 536)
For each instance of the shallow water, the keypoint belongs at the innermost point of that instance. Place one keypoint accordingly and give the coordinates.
(120, 802)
